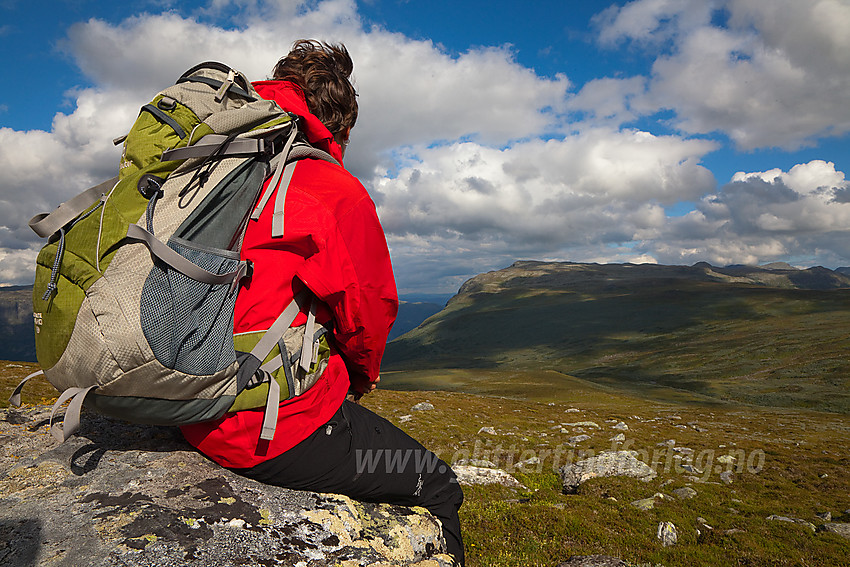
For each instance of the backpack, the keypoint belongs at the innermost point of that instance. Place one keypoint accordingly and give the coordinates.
(135, 290)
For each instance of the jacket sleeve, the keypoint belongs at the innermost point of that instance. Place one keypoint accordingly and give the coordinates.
(353, 275)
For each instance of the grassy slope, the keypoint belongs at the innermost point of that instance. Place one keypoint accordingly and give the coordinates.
(760, 345)
(806, 455)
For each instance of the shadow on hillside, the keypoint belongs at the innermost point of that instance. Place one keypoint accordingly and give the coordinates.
(555, 328)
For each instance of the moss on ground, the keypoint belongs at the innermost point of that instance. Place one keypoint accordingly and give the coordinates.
(789, 463)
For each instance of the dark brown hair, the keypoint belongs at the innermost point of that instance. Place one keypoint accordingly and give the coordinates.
(322, 72)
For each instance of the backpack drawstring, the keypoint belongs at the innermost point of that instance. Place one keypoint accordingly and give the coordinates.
(54, 272)
(53, 284)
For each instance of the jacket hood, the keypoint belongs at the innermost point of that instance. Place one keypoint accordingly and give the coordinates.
(290, 98)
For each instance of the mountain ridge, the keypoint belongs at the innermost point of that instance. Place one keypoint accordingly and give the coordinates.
(773, 336)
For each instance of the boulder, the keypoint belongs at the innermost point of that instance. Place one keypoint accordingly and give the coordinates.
(469, 475)
(136, 495)
(778, 518)
(684, 493)
(593, 561)
(606, 464)
(667, 534)
(840, 528)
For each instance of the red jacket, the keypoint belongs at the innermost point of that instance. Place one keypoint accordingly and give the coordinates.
(334, 244)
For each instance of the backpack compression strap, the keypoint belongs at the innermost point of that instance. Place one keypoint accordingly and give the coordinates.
(71, 422)
(46, 224)
(15, 398)
(184, 265)
(265, 345)
(72, 415)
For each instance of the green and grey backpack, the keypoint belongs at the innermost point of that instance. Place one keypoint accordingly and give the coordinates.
(135, 290)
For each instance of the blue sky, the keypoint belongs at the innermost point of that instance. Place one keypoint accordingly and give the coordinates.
(669, 131)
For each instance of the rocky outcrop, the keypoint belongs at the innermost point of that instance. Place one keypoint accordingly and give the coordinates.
(607, 463)
(133, 495)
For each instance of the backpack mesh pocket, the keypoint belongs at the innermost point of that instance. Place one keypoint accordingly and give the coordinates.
(189, 324)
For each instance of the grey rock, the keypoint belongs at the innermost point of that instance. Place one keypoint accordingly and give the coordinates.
(644, 503)
(592, 424)
(469, 475)
(619, 438)
(423, 406)
(840, 528)
(593, 561)
(606, 464)
(667, 534)
(621, 426)
(777, 518)
(727, 477)
(578, 439)
(487, 430)
(476, 463)
(825, 516)
(132, 495)
(684, 493)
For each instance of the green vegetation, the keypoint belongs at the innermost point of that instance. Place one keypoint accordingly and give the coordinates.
(790, 463)
(654, 335)
(730, 364)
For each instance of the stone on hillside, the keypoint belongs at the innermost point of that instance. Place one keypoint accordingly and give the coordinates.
(488, 430)
(618, 438)
(644, 503)
(840, 528)
(727, 477)
(825, 516)
(469, 475)
(423, 406)
(726, 460)
(139, 496)
(684, 493)
(606, 464)
(582, 424)
(593, 561)
(487, 464)
(779, 518)
(667, 534)
(405, 418)
(572, 410)
(670, 443)
(621, 426)
(578, 439)
(531, 461)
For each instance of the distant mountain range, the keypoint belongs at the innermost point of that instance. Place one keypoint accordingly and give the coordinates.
(770, 335)
(17, 341)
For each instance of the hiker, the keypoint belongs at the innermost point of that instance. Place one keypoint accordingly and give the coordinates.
(333, 245)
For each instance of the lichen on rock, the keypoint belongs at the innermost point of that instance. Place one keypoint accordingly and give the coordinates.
(133, 495)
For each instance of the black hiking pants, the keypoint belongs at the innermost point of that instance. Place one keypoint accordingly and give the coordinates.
(362, 455)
